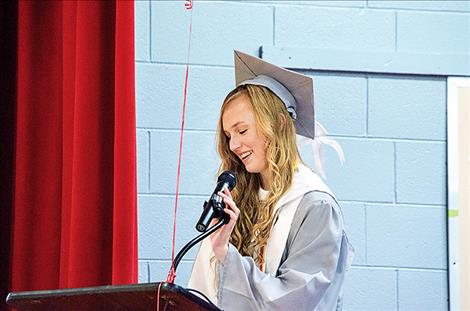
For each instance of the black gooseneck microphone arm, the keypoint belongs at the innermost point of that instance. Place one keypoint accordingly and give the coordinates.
(212, 209)
(202, 236)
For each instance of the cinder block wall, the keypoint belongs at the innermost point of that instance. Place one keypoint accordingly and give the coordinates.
(380, 73)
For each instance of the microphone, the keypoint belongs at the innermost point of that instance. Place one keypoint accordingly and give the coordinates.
(215, 207)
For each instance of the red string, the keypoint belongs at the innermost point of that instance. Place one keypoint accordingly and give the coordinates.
(172, 273)
(158, 296)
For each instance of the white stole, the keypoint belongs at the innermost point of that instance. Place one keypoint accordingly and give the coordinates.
(304, 180)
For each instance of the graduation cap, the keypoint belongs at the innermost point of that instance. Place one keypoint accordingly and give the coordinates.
(294, 89)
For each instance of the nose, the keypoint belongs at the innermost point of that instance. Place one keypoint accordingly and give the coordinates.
(234, 143)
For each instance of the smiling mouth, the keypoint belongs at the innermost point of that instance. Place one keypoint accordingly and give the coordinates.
(245, 155)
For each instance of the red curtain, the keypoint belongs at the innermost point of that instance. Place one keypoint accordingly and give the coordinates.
(8, 16)
(72, 219)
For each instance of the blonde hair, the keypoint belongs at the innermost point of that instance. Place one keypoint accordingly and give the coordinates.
(256, 218)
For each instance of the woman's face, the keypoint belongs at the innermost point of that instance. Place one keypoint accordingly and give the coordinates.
(239, 125)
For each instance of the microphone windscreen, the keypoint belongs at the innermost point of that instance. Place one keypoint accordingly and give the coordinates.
(229, 178)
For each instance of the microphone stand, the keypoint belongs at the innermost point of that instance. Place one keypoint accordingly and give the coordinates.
(202, 236)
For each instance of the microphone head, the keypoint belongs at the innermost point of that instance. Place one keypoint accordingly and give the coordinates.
(229, 178)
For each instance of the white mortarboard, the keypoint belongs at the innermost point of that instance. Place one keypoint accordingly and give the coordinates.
(294, 89)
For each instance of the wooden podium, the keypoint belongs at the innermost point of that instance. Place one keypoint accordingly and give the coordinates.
(119, 297)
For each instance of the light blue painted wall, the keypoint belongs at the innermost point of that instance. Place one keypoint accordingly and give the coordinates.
(392, 127)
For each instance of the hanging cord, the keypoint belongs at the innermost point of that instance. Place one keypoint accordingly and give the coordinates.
(158, 296)
(172, 273)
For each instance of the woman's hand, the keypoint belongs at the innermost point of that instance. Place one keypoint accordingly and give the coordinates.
(221, 237)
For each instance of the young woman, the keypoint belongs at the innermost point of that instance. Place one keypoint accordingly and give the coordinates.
(285, 247)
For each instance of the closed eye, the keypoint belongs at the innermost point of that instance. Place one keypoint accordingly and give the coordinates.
(243, 132)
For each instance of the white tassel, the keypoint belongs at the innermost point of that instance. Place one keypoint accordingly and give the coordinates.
(321, 138)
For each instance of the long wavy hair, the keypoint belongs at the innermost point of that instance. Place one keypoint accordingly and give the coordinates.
(256, 218)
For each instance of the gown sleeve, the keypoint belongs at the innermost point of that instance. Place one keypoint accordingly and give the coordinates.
(306, 271)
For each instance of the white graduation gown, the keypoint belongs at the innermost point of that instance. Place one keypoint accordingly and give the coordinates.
(306, 257)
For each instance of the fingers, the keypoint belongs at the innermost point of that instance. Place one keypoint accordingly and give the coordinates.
(220, 239)
(227, 192)
(230, 203)
(231, 213)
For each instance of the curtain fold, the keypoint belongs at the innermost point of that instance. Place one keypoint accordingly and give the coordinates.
(8, 18)
(73, 211)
